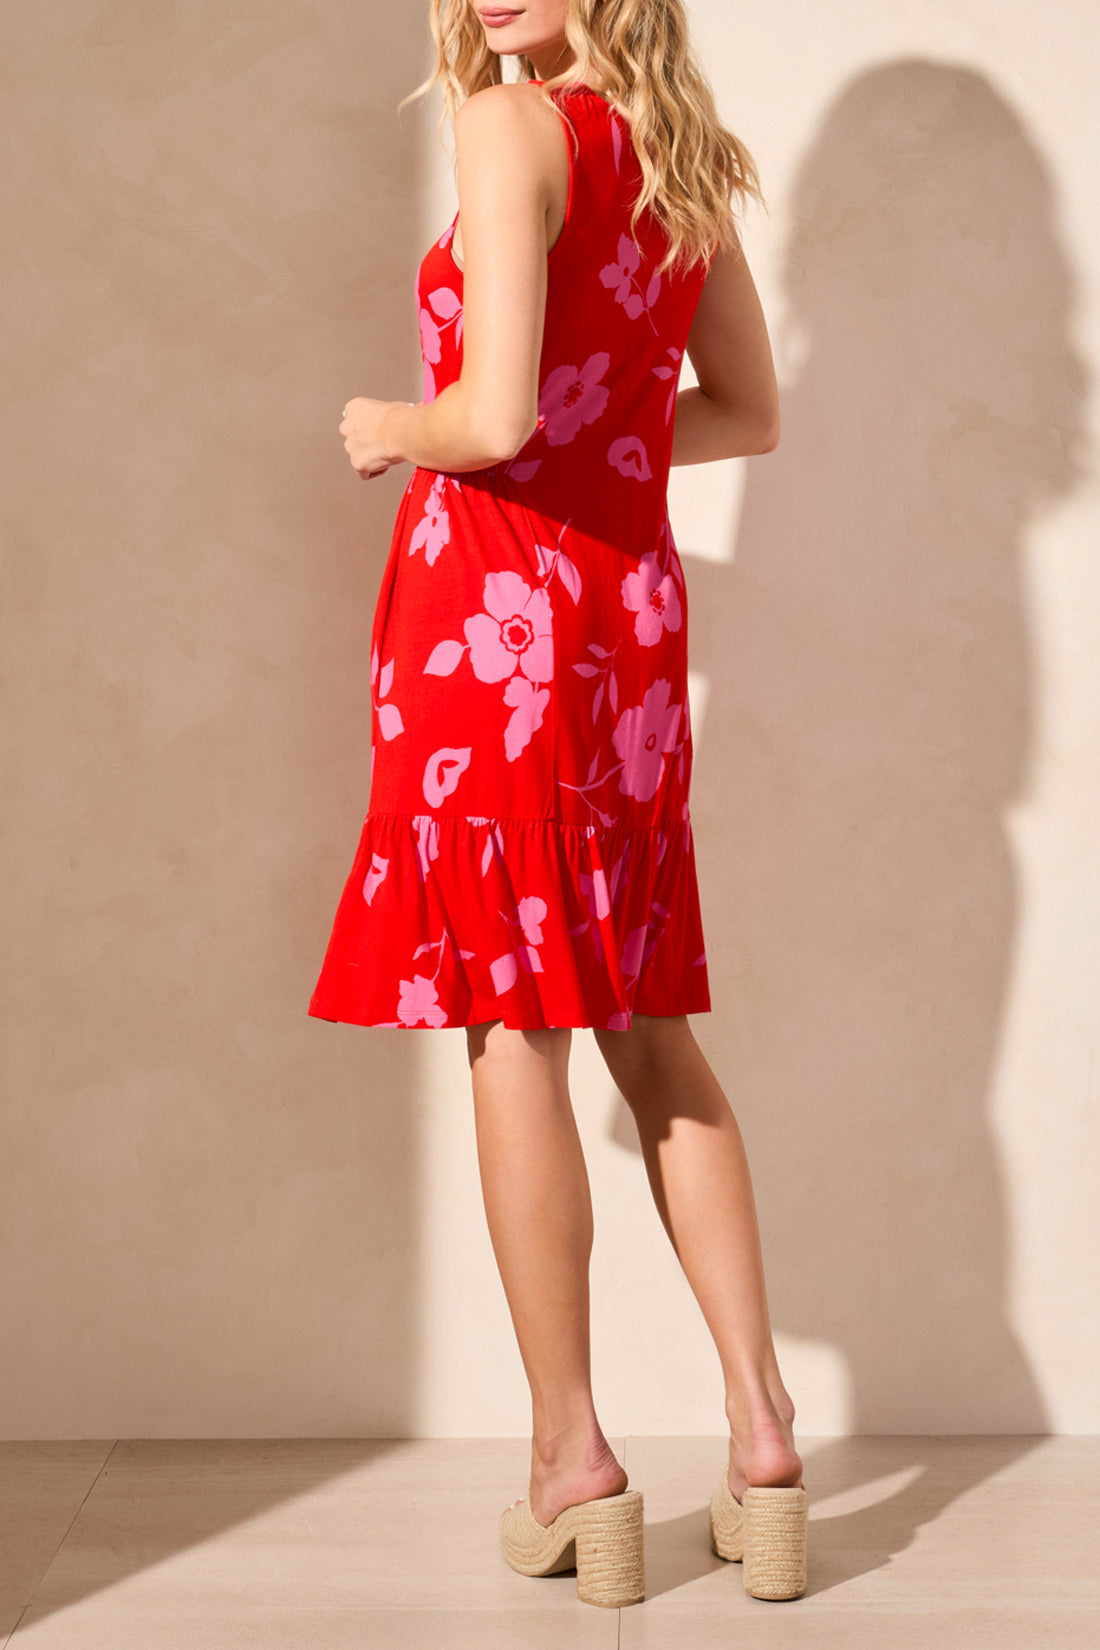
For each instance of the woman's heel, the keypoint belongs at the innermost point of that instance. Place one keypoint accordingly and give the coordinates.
(610, 1536)
(775, 1541)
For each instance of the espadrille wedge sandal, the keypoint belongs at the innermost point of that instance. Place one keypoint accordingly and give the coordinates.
(767, 1530)
(604, 1538)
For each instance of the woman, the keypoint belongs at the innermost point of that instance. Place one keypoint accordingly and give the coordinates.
(526, 864)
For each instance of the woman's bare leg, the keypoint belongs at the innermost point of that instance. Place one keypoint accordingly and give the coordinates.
(699, 1175)
(539, 1209)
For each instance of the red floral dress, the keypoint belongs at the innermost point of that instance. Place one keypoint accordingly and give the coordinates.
(527, 852)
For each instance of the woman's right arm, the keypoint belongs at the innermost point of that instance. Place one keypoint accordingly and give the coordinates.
(735, 409)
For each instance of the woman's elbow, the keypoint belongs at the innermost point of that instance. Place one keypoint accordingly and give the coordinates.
(506, 439)
(769, 437)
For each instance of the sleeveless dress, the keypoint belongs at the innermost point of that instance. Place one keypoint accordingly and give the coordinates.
(527, 853)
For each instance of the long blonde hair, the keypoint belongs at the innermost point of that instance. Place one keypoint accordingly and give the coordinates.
(639, 55)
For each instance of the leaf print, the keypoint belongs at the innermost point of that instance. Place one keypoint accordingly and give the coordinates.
(556, 561)
(505, 972)
(443, 772)
(389, 721)
(595, 889)
(430, 345)
(528, 704)
(628, 455)
(385, 679)
(630, 955)
(494, 846)
(572, 396)
(444, 658)
(597, 701)
(522, 470)
(445, 303)
(587, 670)
(672, 373)
(376, 874)
(569, 576)
(427, 843)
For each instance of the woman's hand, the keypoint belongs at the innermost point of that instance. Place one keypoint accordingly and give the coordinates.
(361, 429)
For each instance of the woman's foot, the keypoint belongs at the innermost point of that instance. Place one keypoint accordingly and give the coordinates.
(761, 1447)
(570, 1471)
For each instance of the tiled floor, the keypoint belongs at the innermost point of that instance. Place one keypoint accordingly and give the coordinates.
(386, 1545)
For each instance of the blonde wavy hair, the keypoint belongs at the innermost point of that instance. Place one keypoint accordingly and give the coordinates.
(639, 55)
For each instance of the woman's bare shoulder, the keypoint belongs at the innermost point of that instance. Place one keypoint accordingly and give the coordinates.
(509, 112)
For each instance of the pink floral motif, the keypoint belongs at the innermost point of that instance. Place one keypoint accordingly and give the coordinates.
(672, 373)
(433, 531)
(621, 275)
(504, 970)
(419, 1000)
(573, 396)
(513, 633)
(641, 737)
(653, 597)
(427, 843)
(628, 454)
(389, 717)
(531, 911)
(376, 874)
(528, 703)
(444, 769)
(442, 309)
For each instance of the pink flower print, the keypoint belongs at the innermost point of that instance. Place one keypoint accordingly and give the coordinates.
(444, 769)
(595, 892)
(433, 530)
(418, 1001)
(513, 633)
(621, 276)
(628, 455)
(641, 737)
(573, 396)
(653, 598)
(427, 843)
(504, 970)
(376, 874)
(528, 703)
(531, 911)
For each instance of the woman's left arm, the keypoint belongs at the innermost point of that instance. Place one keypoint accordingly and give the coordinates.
(502, 144)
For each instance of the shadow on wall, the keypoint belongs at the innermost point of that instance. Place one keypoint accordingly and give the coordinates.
(868, 725)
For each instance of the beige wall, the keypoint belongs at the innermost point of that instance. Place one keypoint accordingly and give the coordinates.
(223, 1217)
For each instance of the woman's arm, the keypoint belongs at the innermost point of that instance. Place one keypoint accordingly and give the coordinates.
(735, 409)
(502, 142)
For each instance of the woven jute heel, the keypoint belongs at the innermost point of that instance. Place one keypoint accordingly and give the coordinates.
(767, 1530)
(604, 1538)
